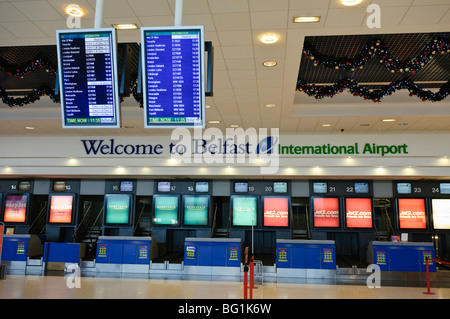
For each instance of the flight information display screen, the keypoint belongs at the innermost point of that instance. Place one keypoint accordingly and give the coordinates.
(173, 80)
(88, 82)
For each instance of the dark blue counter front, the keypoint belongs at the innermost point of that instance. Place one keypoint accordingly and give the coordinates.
(63, 252)
(306, 254)
(401, 256)
(19, 247)
(123, 250)
(220, 252)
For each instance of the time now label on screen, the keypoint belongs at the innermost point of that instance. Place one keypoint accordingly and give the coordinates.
(173, 76)
(88, 78)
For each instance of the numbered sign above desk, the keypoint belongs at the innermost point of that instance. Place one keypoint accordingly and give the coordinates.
(342, 188)
(437, 189)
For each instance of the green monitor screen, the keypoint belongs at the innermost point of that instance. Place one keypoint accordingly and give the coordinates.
(245, 210)
(196, 210)
(118, 208)
(165, 209)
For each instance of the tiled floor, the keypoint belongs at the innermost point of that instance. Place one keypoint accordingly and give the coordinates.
(56, 287)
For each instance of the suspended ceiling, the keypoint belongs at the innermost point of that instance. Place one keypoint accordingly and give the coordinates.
(242, 86)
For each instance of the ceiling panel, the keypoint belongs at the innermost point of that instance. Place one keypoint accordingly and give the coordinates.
(241, 84)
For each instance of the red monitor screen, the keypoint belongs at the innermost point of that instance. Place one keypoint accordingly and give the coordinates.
(276, 211)
(15, 208)
(326, 212)
(411, 213)
(358, 212)
(61, 209)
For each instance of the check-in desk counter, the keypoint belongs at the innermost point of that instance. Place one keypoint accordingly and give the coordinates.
(306, 258)
(124, 254)
(22, 254)
(401, 256)
(215, 256)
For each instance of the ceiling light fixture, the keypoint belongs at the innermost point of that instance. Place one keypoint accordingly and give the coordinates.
(234, 125)
(125, 26)
(29, 127)
(326, 125)
(269, 63)
(74, 10)
(389, 120)
(270, 105)
(269, 38)
(214, 122)
(306, 19)
(351, 2)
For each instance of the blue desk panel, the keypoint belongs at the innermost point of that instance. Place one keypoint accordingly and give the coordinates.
(401, 256)
(221, 252)
(123, 250)
(306, 254)
(19, 247)
(62, 252)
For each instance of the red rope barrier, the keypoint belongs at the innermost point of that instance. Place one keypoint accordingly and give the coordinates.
(428, 292)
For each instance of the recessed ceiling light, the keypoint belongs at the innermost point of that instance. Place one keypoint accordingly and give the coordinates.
(326, 125)
(234, 125)
(389, 120)
(351, 2)
(306, 19)
(270, 105)
(74, 10)
(125, 26)
(29, 127)
(269, 38)
(207, 106)
(269, 63)
(214, 122)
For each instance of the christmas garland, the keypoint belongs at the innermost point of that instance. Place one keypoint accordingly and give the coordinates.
(31, 97)
(377, 48)
(319, 92)
(27, 68)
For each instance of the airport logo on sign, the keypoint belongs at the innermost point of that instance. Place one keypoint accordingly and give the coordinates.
(203, 146)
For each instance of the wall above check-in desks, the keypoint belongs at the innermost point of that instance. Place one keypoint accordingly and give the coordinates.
(145, 187)
(390, 156)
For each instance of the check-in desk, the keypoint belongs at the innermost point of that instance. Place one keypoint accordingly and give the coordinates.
(214, 256)
(401, 256)
(306, 258)
(22, 254)
(124, 254)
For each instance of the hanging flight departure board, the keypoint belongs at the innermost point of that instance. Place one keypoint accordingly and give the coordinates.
(87, 74)
(173, 80)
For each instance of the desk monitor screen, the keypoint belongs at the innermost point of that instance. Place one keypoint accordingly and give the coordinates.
(412, 213)
(61, 209)
(164, 187)
(326, 212)
(195, 209)
(88, 78)
(358, 212)
(444, 188)
(240, 187)
(404, 188)
(276, 211)
(118, 207)
(165, 209)
(244, 210)
(15, 208)
(320, 187)
(441, 213)
(202, 187)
